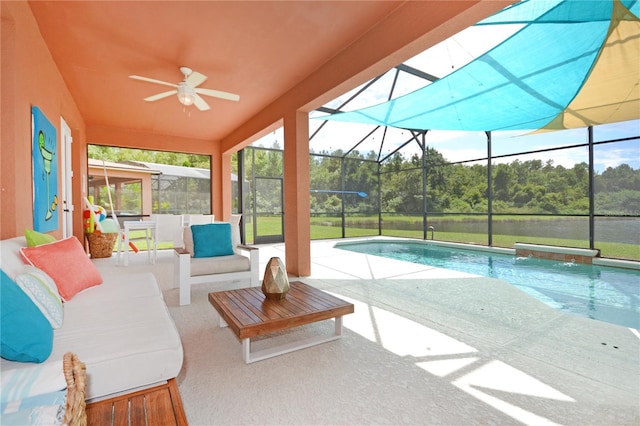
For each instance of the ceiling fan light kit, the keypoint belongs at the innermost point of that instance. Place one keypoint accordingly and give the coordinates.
(187, 90)
(186, 94)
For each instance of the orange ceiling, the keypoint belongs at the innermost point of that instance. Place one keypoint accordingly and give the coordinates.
(258, 50)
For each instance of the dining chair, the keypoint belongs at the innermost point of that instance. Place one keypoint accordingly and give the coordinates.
(198, 219)
(130, 231)
(168, 229)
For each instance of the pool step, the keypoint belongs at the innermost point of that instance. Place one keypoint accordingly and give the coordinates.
(562, 254)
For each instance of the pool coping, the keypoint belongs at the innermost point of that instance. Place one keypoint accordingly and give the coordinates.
(599, 261)
(617, 263)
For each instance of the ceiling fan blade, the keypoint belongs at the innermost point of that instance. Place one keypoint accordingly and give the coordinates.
(160, 95)
(200, 103)
(195, 79)
(151, 80)
(219, 94)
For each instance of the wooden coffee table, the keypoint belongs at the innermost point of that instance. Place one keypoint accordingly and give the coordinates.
(249, 314)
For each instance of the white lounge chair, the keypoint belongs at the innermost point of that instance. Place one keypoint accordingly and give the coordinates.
(242, 265)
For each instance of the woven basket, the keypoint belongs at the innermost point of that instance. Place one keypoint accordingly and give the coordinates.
(101, 245)
(75, 374)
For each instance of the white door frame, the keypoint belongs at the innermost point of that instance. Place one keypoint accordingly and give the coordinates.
(67, 173)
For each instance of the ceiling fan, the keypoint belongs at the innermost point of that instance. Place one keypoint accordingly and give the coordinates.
(187, 90)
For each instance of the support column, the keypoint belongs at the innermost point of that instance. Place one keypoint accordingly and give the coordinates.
(489, 192)
(592, 192)
(147, 196)
(297, 210)
(225, 204)
(220, 183)
(423, 146)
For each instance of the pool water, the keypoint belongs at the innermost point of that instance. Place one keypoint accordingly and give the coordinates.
(597, 292)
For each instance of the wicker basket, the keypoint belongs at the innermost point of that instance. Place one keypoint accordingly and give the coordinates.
(101, 245)
(76, 376)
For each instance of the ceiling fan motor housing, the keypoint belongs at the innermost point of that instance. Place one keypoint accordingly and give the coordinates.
(186, 71)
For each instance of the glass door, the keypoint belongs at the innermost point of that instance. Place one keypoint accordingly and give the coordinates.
(268, 223)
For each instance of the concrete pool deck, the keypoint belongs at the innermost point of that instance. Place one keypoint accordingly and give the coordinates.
(424, 346)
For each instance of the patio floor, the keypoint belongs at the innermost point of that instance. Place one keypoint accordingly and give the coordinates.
(424, 346)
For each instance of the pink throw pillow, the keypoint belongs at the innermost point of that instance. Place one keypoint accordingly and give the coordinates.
(66, 262)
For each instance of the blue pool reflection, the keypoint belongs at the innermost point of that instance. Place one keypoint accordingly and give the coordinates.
(597, 292)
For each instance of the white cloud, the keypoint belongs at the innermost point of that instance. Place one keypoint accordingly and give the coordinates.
(617, 154)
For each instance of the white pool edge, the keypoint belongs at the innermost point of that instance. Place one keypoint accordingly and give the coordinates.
(614, 263)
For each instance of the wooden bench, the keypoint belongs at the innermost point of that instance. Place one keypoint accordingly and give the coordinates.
(159, 405)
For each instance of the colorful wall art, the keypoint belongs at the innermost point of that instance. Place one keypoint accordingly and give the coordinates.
(45, 172)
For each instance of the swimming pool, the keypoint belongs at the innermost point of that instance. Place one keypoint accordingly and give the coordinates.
(597, 292)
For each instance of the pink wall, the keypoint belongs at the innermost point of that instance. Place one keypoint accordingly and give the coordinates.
(29, 78)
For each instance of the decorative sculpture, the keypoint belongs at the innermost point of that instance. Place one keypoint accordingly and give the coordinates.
(275, 283)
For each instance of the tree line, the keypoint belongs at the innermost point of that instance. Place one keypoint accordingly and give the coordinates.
(396, 185)
(518, 187)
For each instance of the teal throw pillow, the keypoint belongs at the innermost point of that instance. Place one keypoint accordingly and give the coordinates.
(212, 239)
(26, 334)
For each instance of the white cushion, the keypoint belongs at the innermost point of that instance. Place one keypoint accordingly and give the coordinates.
(125, 344)
(219, 265)
(10, 259)
(122, 331)
(234, 220)
(187, 237)
(119, 287)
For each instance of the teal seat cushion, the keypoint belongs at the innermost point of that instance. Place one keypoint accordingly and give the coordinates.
(27, 335)
(212, 239)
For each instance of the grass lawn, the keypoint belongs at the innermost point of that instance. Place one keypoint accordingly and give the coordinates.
(330, 228)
